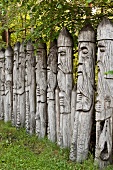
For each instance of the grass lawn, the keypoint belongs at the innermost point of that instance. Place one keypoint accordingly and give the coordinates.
(20, 151)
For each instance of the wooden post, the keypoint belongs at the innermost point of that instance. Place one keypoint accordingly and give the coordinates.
(41, 91)
(104, 99)
(64, 78)
(15, 81)
(30, 89)
(8, 84)
(2, 82)
(21, 89)
(51, 86)
(85, 95)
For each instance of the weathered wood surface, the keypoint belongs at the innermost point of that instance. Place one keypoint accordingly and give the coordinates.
(8, 84)
(85, 95)
(73, 107)
(104, 99)
(41, 91)
(21, 88)
(64, 78)
(15, 81)
(51, 86)
(2, 82)
(30, 89)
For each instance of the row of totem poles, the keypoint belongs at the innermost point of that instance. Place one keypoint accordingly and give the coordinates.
(37, 91)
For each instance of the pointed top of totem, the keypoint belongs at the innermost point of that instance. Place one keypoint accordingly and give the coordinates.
(64, 38)
(105, 30)
(2, 53)
(87, 34)
(42, 46)
(17, 46)
(29, 46)
(9, 51)
(22, 47)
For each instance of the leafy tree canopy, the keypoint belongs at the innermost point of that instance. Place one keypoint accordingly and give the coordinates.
(32, 19)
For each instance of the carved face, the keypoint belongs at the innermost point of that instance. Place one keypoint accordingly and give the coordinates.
(22, 58)
(41, 58)
(105, 56)
(85, 76)
(9, 65)
(52, 62)
(16, 58)
(101, 50)
(86, 56)
(28, 55)
(65, 59)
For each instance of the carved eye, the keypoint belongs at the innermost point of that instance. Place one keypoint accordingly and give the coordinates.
(102, 49)
(39, 52)
(84, 50)
(62, 53)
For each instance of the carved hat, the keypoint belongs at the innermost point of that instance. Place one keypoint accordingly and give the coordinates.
(105, 30)
(9, 51)
(87, 34)
(29, 46)
(64, 38)
(42, 45)
(17, 46)
(2, 53)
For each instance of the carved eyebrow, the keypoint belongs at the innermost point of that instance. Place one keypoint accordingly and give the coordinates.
(83, 47)
(101, 45)
(62, 52)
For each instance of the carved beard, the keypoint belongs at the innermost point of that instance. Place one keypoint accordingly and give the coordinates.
(84, 88)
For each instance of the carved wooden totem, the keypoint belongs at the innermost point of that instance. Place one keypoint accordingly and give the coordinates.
(64, 78)
(15, 81)
(104, 100)
(41, 91)
(30, 89)
(85, 95)
(21, 89)
(51, 86)
(2, 82)
(8, 84)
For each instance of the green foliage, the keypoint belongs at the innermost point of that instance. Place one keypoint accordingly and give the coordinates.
(109, 72)
(47, 17)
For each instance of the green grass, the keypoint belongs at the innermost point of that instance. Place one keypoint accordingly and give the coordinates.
(20, 151)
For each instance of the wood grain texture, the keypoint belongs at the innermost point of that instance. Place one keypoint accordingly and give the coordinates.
(51, 86)
(41, 91)
(64, 78)
(30, 88)
(21, 107)
(104, 99)
(8, 84)
(2, 83)
(85, 95)
(15, 81)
